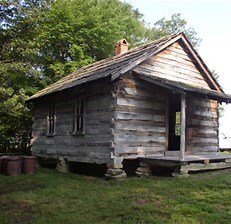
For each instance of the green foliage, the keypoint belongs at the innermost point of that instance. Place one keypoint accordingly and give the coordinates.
(176, 24)
(15, 121)
(18, 73)
(78, 32)
(50, 197)
(177, 124)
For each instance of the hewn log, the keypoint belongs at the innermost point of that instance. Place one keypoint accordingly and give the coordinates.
(182, 126)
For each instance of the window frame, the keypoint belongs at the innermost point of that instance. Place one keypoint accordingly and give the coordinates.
(79, 116)
(51, 120)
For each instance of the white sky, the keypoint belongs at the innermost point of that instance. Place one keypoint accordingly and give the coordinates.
(211, 19)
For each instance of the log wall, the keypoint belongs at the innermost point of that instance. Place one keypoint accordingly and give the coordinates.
(202, 125)
(140, 121)
(95, 145)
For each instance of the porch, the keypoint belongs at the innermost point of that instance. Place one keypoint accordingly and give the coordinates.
(190, 163)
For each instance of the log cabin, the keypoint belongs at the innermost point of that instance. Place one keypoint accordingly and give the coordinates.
(157, 104)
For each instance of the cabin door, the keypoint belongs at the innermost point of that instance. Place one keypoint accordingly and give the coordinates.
(174, 114)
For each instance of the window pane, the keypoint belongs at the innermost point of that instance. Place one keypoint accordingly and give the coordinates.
(78, 117)
(51, 119)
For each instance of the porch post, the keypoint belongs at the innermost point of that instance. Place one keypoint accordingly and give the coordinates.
(182, 126)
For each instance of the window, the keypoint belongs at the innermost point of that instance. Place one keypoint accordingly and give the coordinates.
(79, 117)
(51, 120)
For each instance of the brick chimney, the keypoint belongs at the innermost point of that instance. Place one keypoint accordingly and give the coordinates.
(121, 47)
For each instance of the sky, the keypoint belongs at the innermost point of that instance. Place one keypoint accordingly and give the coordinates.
(211, 19)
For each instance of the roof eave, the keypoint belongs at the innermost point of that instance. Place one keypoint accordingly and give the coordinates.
(183, 88)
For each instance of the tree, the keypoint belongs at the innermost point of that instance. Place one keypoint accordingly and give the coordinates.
(78, 32)
(176, 24)
(18, 71)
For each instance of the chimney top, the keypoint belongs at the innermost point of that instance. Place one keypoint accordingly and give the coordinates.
(121, 47)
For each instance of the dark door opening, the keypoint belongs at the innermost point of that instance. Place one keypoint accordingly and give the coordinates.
(174, 122)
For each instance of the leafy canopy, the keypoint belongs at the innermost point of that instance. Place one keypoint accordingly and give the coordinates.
(78, 32)
(176, 24)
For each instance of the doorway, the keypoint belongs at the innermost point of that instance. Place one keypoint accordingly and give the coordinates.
(174, 121)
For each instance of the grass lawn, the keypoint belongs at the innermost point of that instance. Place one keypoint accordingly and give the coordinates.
(51, 197)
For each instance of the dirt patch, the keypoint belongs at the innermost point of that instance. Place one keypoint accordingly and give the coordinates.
(18, 213)
(23, 187)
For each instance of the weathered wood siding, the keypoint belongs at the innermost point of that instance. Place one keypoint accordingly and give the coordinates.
(140, 121)
(173, 64)
(95, 145)
(202, 125)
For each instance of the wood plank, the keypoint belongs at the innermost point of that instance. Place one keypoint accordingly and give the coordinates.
(132, 109)
(136, 82)
(153, 150)
(139, 133)
(172, 75)
(182, 127)
(174, 65)
(139, 116)
(131, 126)
(210, 166)
(140, 96)
(199, 118)
(202, 123)
(141, 104)
(167, 123)
(202, 149)
(171, 56)
(78, 141)
(203, 103)
(142, 123)
(135, 138)
(204, 135)
(204, 131)
(203, 140)
(203, 114)
(97, 119)
(177, 49)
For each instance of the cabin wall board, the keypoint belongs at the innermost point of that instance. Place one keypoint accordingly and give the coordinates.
(139, 114)
(202, 125)
(174, 64)
(95, 145)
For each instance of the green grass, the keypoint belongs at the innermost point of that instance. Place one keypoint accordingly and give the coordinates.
(50, 197)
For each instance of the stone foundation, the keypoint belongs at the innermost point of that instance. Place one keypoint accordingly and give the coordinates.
(62, 165)
(143, 170)
(180, 172)
(115, 171)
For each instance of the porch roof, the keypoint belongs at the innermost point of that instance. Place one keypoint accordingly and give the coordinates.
(185, 88)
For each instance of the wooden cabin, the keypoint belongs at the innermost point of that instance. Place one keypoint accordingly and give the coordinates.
(157, 103)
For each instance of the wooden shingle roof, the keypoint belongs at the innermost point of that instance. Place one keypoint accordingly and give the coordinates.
(118, 65)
